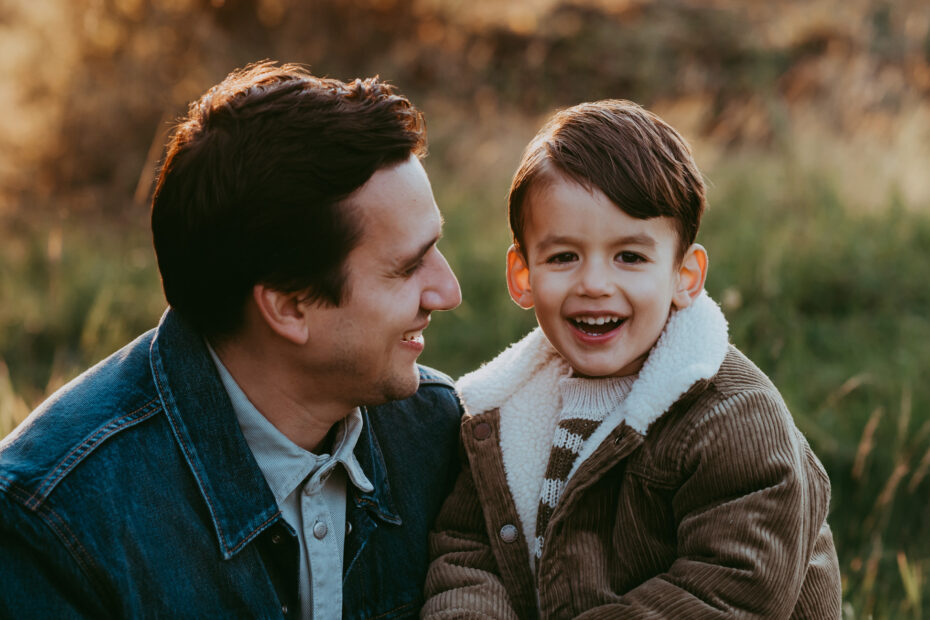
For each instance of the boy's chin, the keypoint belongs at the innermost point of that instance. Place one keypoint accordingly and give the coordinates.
(602, 371)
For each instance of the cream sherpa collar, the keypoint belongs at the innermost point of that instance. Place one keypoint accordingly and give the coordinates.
(522, 382)
(691, 348)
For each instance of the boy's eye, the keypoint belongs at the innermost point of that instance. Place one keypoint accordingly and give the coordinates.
(561, 257)
(630, 258)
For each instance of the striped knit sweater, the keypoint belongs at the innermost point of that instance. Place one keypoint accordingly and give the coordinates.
(585, 404)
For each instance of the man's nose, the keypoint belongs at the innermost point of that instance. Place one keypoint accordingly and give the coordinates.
(442, 292)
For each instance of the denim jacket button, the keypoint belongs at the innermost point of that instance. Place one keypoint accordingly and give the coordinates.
(284, 609)
(508, 533)
(276, 539)
(482, 431)
(348, 528)
(320, 530)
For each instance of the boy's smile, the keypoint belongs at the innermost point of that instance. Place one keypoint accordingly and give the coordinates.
(602, 282)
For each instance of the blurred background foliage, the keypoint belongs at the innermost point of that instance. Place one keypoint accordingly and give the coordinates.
(810, 119)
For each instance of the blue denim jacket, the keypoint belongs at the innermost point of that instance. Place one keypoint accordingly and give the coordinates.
(132, 493)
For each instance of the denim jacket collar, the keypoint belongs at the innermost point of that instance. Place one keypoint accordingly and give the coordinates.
(203, 421)
(378, 501)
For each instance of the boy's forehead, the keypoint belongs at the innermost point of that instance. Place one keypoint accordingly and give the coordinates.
(558, 211)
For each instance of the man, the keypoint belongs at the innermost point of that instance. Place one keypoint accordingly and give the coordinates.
(271, 448)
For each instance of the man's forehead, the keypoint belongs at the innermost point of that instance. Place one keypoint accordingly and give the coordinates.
(396, 213)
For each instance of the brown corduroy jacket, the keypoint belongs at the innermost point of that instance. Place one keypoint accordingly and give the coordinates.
(709, 503)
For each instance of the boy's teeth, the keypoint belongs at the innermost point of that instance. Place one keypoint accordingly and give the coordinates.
(590, 320)
(597, 325)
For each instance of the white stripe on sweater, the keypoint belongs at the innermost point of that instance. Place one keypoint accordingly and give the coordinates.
(568, 440)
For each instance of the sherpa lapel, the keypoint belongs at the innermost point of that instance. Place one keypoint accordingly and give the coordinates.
(691, 348)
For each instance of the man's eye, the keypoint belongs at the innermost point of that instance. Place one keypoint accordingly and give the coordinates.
(412, 269)
(561, 257)
(630, 258)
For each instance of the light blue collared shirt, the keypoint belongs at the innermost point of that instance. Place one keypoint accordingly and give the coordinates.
(310, 491)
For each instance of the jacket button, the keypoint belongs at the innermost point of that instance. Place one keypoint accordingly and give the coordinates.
(276, 539)
(508, 533)
(284, 609)
(319, 530)
(482, 431)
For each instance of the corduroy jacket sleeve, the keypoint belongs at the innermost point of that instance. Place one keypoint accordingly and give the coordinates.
(750, 511)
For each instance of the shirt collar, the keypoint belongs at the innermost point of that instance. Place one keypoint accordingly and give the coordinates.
(284, 464)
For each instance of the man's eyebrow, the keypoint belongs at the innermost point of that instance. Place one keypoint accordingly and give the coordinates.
(405, 262)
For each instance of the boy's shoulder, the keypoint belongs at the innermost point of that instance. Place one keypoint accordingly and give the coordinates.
(739, 374)
(739, 397)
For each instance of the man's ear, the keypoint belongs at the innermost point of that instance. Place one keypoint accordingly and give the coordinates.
(284, 313)
(691, 275)
(518, 278)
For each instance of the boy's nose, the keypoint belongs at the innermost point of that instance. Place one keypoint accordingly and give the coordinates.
(594, 281)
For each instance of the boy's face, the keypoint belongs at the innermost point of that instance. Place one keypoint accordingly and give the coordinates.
(602, 282)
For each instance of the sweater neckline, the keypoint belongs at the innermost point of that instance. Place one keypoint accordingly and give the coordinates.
(593, 398)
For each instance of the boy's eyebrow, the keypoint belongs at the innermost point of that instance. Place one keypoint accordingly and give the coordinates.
(640, 239)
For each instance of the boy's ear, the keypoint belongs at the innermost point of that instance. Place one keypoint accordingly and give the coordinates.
(284, 313)
(518, 278)
(691, 275)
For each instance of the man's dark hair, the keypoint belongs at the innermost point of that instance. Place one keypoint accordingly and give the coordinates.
(254, 184)
(631, 155)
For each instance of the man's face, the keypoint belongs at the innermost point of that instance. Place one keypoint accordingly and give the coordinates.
(366, 348)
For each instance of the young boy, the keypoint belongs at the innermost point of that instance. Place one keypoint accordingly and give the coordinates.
(624, 460)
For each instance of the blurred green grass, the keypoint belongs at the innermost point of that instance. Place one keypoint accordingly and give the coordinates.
(830, 302)
(818, 238)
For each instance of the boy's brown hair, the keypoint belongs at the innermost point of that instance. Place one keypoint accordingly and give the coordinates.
(631, 155)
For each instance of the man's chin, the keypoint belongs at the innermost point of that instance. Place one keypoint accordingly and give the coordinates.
(398, 388)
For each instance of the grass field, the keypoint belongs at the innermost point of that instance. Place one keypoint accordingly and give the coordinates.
(829, 301)
(810, 118)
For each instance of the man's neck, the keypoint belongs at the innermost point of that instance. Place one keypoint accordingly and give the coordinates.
(280, 395)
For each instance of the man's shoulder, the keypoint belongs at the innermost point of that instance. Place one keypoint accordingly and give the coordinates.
(74, 422)
(430, 377)
(435, 406)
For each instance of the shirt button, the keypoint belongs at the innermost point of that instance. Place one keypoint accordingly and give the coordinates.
(508, 533)
(482, 431)
(319, 530)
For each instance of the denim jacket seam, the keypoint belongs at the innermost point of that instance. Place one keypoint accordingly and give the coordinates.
(59, 529)
(258, 530)
(64, 534)
(88, 445)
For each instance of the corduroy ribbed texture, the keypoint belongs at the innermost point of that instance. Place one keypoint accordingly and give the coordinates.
(718, 511)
